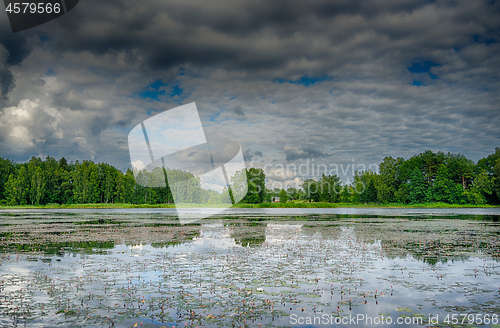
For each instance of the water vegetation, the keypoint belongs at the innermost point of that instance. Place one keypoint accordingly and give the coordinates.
(124, 269)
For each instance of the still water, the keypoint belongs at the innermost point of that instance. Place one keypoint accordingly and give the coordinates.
(250, 268)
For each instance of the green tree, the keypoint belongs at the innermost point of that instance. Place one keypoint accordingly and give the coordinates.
(461, 169)
(6, 169)
(37, 186)
(369, 195)
(239, 185)
(184, 185)
(347, 194)
(283, 196)
(402, 194)
(430, 164)
(107, 176)
(481, 188)
(52, 173)
(18, 187)
(125, 185)
(329, 188)
(66, 193)
(13, 191)
(491, 164)
(364, 187)
(256, 181)
(86, 183)
(36, 189)
(311, 189)
(417, 188)
(292, 193)
(443, 189)
(389, 180)
(496, 179)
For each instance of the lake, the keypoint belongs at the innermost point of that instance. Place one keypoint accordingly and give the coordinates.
(335, 267)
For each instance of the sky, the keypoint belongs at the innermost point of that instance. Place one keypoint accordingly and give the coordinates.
(305, 87)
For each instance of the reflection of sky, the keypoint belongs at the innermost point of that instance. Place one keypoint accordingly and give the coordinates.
(276, 233)
(328, 260)
(214, 236)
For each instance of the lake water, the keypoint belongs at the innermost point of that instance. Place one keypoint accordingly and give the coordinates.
(343, 267)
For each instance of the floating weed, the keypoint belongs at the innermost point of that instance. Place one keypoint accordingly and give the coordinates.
(213, 279)
(403, 309)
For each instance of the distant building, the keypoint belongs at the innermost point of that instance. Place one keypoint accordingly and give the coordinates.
(275, 199)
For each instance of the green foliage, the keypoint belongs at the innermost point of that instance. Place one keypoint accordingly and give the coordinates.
(491, 164)
(389, 179)
(480, 190)
(256, 181)
(125, 184)
(443, 189)
(86, 183)
(239, 186)
(6, 169)
(417, 188)
(283, 196)
(327, 189)
(426, 178)
(311, 189)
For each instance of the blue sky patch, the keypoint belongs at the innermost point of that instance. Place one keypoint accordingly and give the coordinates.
(176, 91)
(305, 80)
(152, 94)
(478, 38)
(50, 72)
(423, 67)
(157, 84)
(160, 88)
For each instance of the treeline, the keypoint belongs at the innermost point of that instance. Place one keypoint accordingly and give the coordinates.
(41, 182)
(424, 178)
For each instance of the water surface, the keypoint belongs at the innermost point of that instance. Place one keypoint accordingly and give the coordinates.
(249, 267)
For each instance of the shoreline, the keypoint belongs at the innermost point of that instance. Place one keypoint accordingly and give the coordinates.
(262, 205)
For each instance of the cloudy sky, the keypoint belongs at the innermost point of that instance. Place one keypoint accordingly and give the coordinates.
(294, 82)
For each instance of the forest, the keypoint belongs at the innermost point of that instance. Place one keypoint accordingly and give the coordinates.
(428, 177)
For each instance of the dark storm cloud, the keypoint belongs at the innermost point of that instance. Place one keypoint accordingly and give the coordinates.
(261, 35)
(248, 154)
(6, 81)
(237, 110)
(294, 153)
(13, 49)
(16, 45)
(282, 39)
